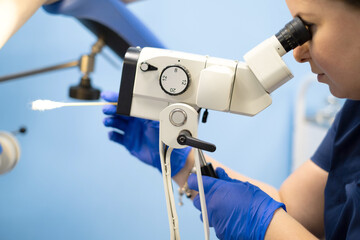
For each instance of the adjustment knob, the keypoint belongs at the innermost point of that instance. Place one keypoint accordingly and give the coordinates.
(174, 80)
(185, 138)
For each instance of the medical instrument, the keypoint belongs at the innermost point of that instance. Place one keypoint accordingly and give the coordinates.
(86, 64)
(173, 118)
(11, 151)
(153, 78)
(113, 21)
(42, 105)
(14, 13)
(113, 24)
(173, 86)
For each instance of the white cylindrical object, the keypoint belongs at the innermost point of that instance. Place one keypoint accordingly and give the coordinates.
(267, 65)
(217, 79)
(14, 13)
(11, 152)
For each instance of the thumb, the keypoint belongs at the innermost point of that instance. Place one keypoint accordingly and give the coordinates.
(220, 172)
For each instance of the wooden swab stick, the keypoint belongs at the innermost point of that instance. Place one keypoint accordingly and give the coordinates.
(42, 105)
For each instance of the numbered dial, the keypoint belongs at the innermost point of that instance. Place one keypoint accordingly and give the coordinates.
(174, 80)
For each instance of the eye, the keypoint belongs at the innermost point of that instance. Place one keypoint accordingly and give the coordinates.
(312, 29)
(310, 26)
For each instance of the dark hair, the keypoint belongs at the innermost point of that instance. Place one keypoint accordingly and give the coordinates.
(355, 3)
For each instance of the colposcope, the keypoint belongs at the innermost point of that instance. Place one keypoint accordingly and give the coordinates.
(154, 78)
(172, 87)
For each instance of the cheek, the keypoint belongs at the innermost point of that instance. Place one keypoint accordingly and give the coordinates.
(325, 56)
(342, 72)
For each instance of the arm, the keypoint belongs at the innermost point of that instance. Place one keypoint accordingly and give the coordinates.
(284, 227)
(302, 193)
(182, 176)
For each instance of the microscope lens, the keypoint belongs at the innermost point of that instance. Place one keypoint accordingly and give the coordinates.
(295, 33)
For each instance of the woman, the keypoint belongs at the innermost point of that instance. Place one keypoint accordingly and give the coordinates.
(322, 197)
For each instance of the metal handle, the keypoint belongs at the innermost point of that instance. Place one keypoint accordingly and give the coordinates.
(185, 138)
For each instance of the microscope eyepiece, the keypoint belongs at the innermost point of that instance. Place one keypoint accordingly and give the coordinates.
(295, 33)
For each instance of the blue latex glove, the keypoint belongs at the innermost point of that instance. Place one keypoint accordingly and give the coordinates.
(237, 210)
(140, 137)
(1, 149)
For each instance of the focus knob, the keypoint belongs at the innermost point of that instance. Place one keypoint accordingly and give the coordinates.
(174, 80)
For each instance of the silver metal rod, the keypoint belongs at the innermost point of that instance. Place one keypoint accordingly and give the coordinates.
(40, 70)
(202, 158)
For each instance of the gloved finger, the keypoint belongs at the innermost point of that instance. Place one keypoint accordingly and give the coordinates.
(116, 122)
(192, 182)
(116, 137)
(196, 202)
(223, 175)
(1, 149)
(109, 109)
(109, 96)
(208, 182)
(220, 172)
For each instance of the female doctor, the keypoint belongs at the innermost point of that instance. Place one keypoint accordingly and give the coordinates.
(322, 197)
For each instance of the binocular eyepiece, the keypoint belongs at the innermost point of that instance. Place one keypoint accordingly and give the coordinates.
(295, 33)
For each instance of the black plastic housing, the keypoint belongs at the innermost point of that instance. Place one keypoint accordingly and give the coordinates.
(295, 33)
(127, 81)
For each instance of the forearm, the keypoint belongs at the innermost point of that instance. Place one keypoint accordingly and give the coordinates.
(182, 176)
(283, 226)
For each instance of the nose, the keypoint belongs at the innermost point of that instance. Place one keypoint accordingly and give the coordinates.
(301, 53)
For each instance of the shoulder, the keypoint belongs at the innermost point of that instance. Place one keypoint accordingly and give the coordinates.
(349, 115)
(348, 122)
(345, 127)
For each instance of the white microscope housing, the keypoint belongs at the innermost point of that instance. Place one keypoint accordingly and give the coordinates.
(155, 78)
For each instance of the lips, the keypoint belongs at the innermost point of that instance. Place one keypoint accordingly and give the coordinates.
(320, 76)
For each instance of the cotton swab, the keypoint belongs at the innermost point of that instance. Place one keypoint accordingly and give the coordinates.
(42, 105)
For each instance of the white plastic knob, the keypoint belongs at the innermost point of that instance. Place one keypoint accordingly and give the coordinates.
(11, 152)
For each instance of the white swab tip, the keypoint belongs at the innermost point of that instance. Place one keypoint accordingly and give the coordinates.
(42, 105)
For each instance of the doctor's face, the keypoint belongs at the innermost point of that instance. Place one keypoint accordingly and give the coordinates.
(334, 50)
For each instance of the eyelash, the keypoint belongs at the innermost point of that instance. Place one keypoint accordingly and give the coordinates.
(310, 26)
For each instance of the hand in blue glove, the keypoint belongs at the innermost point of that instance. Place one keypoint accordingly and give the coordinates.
(140, 137)
(1, 149)
(237, 210)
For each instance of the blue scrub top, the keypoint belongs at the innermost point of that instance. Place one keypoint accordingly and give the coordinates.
(339, 154)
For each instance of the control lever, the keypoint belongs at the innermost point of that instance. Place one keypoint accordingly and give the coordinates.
(185, 138)
(207, 169)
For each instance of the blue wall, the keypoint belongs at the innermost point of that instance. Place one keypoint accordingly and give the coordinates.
(71, 182)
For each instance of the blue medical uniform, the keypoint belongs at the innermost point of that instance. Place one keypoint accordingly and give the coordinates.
(339, 154)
